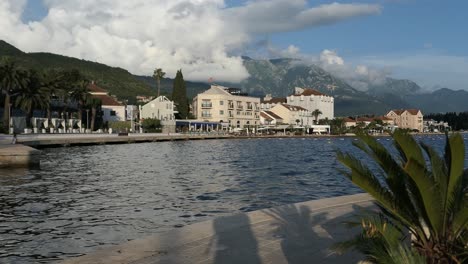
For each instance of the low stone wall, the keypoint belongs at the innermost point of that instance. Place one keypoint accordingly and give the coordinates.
(17, 156)
(296, 233)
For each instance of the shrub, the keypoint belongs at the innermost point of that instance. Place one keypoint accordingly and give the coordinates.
(151, 125)
(119, 125)
(423, 201)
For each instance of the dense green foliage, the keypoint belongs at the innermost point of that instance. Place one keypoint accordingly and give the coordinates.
(423, 200)
(458, 121)
(151, 125)
(29, 90)
(116, 80)
(179, 96)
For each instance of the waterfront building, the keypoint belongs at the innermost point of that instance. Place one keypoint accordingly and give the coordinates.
(407, 118)
(112, 110)
(160, 108)
(270, 118)
(222, 104)
(431, 125)
(293, 115)
(268, 102)
(311, 100)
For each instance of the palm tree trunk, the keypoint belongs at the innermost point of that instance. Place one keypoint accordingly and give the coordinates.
(159, 86)
(6, 111)
(93, 117)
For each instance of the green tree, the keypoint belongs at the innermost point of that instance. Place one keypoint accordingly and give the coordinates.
(80, 94)
(12, 79)
(151, 125)
(158, 75)
(179, 95)
(32, 95)
(425, 200)
(95, 105)
(316, 113)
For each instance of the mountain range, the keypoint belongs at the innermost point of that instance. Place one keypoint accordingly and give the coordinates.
(277, 77)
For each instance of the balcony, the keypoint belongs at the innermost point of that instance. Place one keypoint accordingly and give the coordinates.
(206, 105)
(240, 107)
(230, 106)
(249, 108)
(206, 115)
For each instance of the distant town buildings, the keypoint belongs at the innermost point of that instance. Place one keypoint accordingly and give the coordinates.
(227, 105)
(311, 100)
(270, 118)
(407, 118)
(112, 109)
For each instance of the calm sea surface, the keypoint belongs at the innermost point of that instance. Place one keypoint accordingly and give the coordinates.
(85, 197)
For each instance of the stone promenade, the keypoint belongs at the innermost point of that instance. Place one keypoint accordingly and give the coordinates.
(295, 234)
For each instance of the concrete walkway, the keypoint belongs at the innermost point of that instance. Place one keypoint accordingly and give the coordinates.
(295, 234)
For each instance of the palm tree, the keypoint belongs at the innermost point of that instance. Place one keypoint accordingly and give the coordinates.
(11, 80)
(52, 84)
(80, 95)
(95, 104)
(158, 75)
(421, 196)
(316, 114)
(32, 95)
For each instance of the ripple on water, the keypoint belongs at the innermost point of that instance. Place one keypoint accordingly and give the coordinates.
(85, 197)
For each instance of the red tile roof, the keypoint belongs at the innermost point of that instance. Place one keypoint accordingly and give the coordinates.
(294, 107)
(93, 88)
(276, 100)
(267, 117)
(308, 92)
(348, 120)
(275, 116)
(413, 111)
(401, 111)
(106, 99)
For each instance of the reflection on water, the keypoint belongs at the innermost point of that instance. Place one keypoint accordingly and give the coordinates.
(85, 197)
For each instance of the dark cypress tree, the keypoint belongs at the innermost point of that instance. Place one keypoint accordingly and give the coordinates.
(179, 95)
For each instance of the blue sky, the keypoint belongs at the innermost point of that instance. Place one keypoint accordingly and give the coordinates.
(425, 41)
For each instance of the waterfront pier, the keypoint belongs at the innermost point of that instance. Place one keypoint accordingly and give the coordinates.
(296, 233)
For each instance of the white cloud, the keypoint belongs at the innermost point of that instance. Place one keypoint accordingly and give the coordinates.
(429, 69)
(198, 36)
(359, 76)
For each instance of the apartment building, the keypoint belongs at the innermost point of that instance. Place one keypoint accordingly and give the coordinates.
(311, 100)
(407, 118)
(223, 104)
(160, 108)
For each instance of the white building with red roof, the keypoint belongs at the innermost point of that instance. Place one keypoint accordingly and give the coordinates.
(293, 115)
(112, 109)
(311, 100)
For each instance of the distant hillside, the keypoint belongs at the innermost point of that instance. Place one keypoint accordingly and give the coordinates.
(277, 77)
(116, 80)
(441, 101)
(193, 88)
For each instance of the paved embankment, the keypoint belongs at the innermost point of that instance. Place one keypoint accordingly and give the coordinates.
(296, 233)
(13, 156)
(59, 140)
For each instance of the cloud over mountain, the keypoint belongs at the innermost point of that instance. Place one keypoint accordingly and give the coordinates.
(198, 36)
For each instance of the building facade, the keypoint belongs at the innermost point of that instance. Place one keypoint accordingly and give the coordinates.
(311, 100)
(218, 104)
(407, 118)
(112, 110)
(293, 115)
(268, 102)
(160, 108)
(270, 118)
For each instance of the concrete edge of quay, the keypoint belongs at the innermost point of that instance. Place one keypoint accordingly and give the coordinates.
(19, 156)
(294, 233)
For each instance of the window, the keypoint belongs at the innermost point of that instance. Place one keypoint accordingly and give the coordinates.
(113, 113)
(221, 112)
(221, 102)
